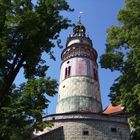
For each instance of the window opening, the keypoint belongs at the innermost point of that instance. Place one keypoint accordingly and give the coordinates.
(95, 75)
(65, 72)
(85, 133)
(53, 118)
(69, 70)
(113, 130)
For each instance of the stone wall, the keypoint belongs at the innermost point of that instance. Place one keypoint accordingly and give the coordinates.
(89, 127)
(79, 93)
(55, 134)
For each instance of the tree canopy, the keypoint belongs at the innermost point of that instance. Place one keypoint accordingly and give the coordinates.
(27, 30)
(123, 55)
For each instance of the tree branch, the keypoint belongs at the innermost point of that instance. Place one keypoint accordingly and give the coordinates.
(9, 79)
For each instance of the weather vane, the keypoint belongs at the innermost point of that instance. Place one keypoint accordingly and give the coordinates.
(79, 17)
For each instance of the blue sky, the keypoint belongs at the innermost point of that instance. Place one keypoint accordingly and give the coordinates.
(97, 17)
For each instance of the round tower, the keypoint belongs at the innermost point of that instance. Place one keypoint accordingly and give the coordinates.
(79, 88)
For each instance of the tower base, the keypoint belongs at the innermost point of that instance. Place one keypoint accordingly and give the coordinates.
(85, 126)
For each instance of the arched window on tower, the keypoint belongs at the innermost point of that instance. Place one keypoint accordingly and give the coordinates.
(95, 74)
(67, 72)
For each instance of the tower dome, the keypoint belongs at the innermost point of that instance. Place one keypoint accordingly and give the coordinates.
(79, 30)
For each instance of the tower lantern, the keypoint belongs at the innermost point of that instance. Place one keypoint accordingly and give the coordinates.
(79, 85)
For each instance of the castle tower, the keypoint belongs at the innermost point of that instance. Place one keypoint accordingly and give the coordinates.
(79, 88)
(79, 109)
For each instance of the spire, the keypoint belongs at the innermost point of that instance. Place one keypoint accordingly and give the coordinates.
(79, 17)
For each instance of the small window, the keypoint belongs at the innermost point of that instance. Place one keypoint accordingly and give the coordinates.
(114, 130)
(65, 72)
(64, 86)
(68, 62)
(85, 133)
(69, 70)
(95, 74)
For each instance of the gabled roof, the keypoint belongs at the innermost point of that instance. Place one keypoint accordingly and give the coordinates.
(113, 109)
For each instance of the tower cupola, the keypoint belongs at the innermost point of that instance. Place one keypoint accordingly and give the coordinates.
(79, 30)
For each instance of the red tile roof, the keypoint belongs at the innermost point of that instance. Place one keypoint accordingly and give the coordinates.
(113, 109)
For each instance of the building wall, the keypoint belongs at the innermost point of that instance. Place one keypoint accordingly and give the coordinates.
(94, 130)
(89, 127)
(79, 66)
(55, 134)
(79, 93)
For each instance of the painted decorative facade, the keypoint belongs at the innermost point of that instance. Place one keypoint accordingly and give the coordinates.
(79, 110)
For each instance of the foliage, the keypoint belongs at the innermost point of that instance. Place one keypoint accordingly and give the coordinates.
(27, 30)
(22, 111)
(123, 55)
